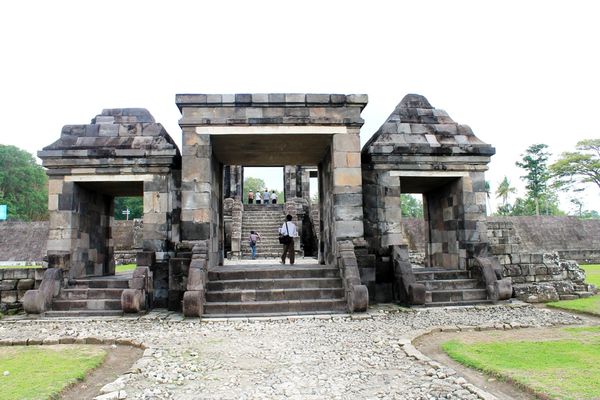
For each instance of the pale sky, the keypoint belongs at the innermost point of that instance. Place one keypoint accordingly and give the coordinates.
(518, 72)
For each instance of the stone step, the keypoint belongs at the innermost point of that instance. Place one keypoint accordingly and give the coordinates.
(253, 295)
(254, 207)
(274, 307)
(449, 284)
(93, 294)
(98, 283)
(427, 274)
(89, 304)
(262, 284)
(277, 272)
(83, 313)
(437, 296)
(457, 303)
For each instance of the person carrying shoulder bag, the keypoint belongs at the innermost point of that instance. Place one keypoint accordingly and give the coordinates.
(287, 233)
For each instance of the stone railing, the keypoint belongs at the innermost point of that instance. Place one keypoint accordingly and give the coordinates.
(37, 301)
(139, 296)
(489, 271)
(406, 288)
(357, 294)
(14, 283)
(195, 295)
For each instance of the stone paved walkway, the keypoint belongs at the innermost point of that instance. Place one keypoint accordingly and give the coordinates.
(366, 356)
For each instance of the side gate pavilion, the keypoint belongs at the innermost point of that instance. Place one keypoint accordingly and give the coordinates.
(125, 152)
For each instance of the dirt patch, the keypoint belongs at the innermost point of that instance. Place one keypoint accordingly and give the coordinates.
(430, 345)
(118, 360)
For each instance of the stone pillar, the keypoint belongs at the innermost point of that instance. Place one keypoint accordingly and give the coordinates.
(346, 189)
(232, 181)
(200, 192)
(472, 234)
(161, 214)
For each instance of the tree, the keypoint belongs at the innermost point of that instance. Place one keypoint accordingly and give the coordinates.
(504, 190)
(582, 166)
(411, 206)
(23, 185)
(135, 205)
(537, 177)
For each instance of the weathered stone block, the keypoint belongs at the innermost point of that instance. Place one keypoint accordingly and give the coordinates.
(8, 296)
(24, 284)
(195, 231)
(8, 284)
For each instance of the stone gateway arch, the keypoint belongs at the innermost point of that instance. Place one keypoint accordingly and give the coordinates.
(194, 215)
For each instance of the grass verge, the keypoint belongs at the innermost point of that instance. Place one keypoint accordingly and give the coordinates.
(565, 369)
(41, 372)
(125, 267)
(20, 266)
(589, 305)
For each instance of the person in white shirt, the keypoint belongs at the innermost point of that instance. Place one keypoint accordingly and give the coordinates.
(273, 198)
(288, 229)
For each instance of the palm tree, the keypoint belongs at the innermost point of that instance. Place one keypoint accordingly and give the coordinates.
(504, 190)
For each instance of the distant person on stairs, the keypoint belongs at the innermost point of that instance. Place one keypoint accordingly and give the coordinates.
(266, 197)
(252, 240)
(250, 197)
(273, 198)
(289, 232)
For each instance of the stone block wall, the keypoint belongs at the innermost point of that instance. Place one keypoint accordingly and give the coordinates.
(14, 282)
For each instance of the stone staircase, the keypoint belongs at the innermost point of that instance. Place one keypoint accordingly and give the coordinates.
(450, 287)
(90, 297)
(266, 220)
(273, 289)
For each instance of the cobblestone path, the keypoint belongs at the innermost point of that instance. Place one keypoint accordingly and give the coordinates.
(366, 356)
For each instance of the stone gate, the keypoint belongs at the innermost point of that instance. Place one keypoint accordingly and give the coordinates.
(192, 201)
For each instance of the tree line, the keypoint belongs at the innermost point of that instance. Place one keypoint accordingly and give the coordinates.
(544, 182)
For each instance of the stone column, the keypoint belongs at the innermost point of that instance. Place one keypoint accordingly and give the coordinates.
(347, 186)
(200, 192)
(160, 205)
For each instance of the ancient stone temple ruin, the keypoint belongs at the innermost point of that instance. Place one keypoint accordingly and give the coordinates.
(195, 222)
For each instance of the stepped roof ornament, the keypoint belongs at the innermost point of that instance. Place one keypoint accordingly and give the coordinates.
(415, 127)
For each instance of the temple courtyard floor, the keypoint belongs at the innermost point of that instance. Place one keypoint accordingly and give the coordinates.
(360, 356)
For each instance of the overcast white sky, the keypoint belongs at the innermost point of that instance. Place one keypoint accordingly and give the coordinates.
(517, 72)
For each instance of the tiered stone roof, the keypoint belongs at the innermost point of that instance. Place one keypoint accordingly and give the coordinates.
(116, 137)
(417, 128)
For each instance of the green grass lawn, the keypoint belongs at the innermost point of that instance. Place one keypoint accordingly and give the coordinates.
(20, 266)
(590, 305)
(125, 267)
(592, 274)
(566, 369)
(41, 372)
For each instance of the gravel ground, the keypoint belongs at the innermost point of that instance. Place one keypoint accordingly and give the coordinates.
(365, 356)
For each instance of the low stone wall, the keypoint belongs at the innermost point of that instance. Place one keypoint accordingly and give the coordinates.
(573, 238)
(536, 276)
(570, 237)
(14, 282)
